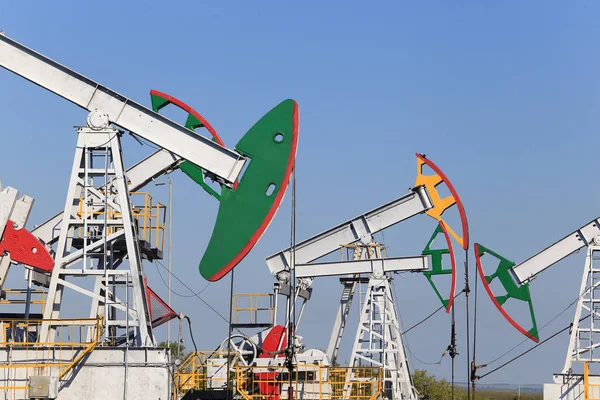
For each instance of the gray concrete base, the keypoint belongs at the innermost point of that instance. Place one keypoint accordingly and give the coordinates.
(107, 373)
(570, 388)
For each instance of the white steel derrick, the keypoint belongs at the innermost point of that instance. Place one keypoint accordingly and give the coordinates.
(378, 339)
(138, 176)
(585, 331)
(96, 232)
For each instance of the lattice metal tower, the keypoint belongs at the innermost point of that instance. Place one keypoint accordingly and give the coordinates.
(98, 234)
(378, 341)
(585, 332)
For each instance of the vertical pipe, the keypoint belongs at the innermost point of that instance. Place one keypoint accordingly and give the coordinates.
(106, 266)
(127, 277)
(125, 374)
(301, 313)
(292, 313)
(276, 291)
(473, 363)
(229, 336)
(170, 253)
(179, 335)
(468, 344)
(28, 301)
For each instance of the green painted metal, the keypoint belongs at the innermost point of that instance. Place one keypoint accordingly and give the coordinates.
(158, 102)
(437, 267)
(190, 169)
(245, 212)
(193, 122)
(198, 175)
(513, 290)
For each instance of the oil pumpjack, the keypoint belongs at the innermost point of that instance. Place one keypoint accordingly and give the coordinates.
(574, 381)
(95, 247)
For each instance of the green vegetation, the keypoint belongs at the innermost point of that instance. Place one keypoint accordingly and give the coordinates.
(176, 350)
(433, 389)
(501, 395)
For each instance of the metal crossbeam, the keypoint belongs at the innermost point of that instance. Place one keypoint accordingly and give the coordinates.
(367, 266)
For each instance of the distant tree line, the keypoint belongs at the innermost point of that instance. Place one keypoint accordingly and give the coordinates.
(431, 388)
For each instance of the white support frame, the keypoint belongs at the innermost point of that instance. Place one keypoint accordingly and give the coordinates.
(361, 229)
(378, 342)
(585, 335)
(107, 142)
(139, 175)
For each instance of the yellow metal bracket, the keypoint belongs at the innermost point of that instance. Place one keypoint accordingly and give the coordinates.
(440, 205)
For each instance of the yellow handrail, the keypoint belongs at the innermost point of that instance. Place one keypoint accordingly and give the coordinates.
(88, 349)
(41, 301)
(68, 349)
(313, 382)
(151, 219)
(587, 386)
(254, 309)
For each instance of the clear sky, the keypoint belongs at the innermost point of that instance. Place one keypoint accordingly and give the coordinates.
(503, 96)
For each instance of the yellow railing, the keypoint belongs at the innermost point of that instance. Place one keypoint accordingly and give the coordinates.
(23, 292)
(82, 213)
(374, 250)
(151, 219)
(34, 357)
(591, 390)
(256, 305)
(269, 383)
(309, 382)
(192, 373)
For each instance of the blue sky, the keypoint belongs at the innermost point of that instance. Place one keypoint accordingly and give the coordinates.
(502, 96)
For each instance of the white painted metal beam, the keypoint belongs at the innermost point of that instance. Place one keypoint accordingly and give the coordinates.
(361, 228)
(336, 268)
(528, 269)
(121, 111)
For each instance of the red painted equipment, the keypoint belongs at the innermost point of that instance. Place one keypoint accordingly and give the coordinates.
(275, 341)
(25, 248)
